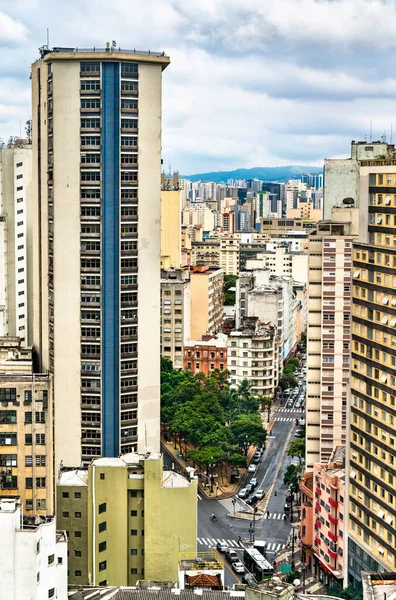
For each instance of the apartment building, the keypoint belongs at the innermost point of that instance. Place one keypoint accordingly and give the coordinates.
(229, 253)
(26, 429)
(171, 206)
(372, 471)
(269, 298)
(206, 252)
(253, 353)
(329, 519)
(306, 530)
(305, 211)
(175, 314)
(96, 274)
(126, 520)
(206, 289)
(15, 197)
(276, 226)
(206, 355)
(329, 335)
(33, 555)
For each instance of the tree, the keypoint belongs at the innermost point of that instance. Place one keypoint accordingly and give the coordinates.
(292, 477)
(247, 430)
(297, 449)
(348, 593)
(294, 361)
(166, 365)
(266, 402)
(287, 381)
(229, 296)
(237, 461)
(301, 432)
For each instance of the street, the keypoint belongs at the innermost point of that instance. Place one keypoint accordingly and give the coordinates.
(273, 529)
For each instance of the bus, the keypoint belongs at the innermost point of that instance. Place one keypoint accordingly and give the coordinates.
(257, 564)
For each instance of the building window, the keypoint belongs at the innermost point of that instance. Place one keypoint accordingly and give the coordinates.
(77, 534)
(134, 551)
(133, 571)
(77, 553)
(102, 476)
(51, 559)
(77, 573)
(133, 531)
(65, 494)
(102, 546)
(77, 494)
(77, 515)
(102, 566)
(65, 514)
(51, 593)
(102, 508)
(102, 526)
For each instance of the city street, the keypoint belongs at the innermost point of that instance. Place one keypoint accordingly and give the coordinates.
(273, 529)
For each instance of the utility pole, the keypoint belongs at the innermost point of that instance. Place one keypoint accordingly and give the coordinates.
(292, 556)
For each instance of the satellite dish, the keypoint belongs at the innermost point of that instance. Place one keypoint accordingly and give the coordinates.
(348, 201)
(296, 582)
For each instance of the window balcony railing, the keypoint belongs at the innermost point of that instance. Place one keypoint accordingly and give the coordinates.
(333, 536)
(333, 502)
(333, 520)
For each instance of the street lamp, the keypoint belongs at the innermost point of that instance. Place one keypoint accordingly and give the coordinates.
(212, 477)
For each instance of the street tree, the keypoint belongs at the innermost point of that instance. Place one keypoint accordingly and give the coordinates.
(292, 477)
(248, 430)
(297, 449)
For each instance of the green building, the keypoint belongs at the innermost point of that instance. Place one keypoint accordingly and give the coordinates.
(127, 519)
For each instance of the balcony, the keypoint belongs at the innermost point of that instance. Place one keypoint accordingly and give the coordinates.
(333, 520)
(318, 490)
(318, 540)
(333, 502)
(332, 536)
(318, 507)
(332, 553)
(318, 523)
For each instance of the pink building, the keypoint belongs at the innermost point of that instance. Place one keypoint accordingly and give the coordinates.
(328, 517)
(306, 526)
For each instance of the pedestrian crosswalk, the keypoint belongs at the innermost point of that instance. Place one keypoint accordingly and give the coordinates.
(290, 410)
(273, 516)
(211, 542)
(284, 418)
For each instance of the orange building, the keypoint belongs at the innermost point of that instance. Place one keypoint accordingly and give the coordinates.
(207, 354)
(306, 527)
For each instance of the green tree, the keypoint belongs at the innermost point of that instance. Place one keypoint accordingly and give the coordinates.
(229, 296)
(297, 449)
(287, 381)
(348, 593)
(237, 461)
(248, 430)
(294, 361)
(292, 477)
(166, 365)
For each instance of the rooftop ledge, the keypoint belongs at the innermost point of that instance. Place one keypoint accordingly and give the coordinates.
(108, 53)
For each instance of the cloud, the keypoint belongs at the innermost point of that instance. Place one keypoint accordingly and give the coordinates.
(251, 83)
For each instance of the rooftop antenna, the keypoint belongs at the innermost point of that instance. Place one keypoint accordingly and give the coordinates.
(48, 38)
(170, 170)
(371, 131)
(391, 134)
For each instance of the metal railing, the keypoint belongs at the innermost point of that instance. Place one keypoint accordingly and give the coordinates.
(110, 49)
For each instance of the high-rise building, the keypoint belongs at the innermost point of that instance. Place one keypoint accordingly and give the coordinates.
(171, 206)
(328, 335)
(26, 429)
(15, 197)
(206, 301)
(372, 460)
(175, 314)
(127, 520)
(96, 221)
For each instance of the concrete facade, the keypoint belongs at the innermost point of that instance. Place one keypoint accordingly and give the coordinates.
(33, 555)
(206, 301)
(26, 430)
(171, 205)
(96, 268)
(175, 314)
(134, 518)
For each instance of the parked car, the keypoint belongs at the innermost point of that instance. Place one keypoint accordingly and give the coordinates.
(256, 459)
(221, 546)
(289, 404)
(243, 493)
(251, 500)
(252, 468)
(260, 494)
(253, 481)
(249, 487)
(238, 567)
(231, 556)
(302, 421)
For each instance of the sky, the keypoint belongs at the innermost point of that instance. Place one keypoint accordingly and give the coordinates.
(252, 83)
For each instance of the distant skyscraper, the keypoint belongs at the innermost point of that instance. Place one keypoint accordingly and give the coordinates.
(314, 180)
(96, 219)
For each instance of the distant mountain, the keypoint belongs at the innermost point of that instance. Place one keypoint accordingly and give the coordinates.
(263, 173)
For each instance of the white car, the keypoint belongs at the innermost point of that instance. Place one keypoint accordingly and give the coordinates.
(252, 468)
(238, 567)
(243, 493)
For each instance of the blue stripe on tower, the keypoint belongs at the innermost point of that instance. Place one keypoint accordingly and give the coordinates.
(110, 350)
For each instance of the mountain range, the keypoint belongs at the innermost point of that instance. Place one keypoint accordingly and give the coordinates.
(280, 174)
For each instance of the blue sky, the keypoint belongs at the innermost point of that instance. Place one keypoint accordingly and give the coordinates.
(251, 82)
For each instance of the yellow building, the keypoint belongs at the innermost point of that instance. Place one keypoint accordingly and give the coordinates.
(206, 290)
(127, 519)
(26, 429)
(171, 206)
(372, 473)
(305, 211)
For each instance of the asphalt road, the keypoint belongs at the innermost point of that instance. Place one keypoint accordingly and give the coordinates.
(273, 529)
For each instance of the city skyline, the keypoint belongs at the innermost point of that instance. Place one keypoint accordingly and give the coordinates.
(307, 80)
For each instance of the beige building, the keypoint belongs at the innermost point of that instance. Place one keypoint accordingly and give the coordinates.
(329, 335)
(127, 519)
(305, 211)
(171, 206)
(96, 272)
(206, 301)
(229, 253)
(206, 252)
(26, 429)
(15, 235)
(175, 314)
(254, 354)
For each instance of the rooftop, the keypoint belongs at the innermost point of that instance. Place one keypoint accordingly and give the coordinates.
(379, 586)
(109, 49)
(219, 341)
(150, 593)
(174, 480)
(74, 477)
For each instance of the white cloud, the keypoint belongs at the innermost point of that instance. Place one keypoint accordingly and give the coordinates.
(251, 82)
